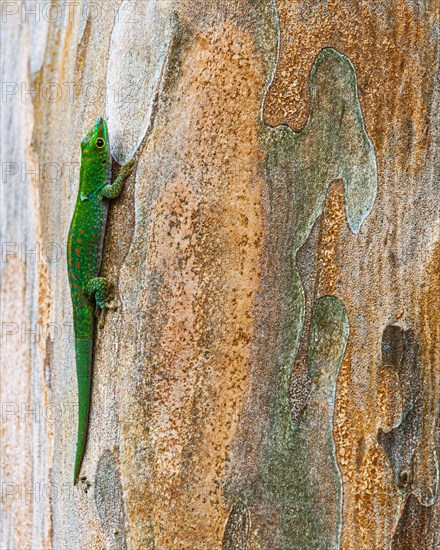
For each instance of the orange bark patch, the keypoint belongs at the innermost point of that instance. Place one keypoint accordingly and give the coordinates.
(369, 495)
(426, 473)
(204, 247)
(391, 46)
(332, 221)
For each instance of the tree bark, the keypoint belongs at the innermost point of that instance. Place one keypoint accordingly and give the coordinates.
(271, 376)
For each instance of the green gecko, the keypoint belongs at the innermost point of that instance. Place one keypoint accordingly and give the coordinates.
(84, 253)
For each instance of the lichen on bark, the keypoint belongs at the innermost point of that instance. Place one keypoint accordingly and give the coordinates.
(300, 166)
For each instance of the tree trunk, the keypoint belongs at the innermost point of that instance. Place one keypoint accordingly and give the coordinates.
(270, 379)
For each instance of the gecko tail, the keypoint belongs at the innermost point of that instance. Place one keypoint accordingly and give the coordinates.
(83, 352)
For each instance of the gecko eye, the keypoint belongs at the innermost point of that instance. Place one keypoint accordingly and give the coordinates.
(100, 143)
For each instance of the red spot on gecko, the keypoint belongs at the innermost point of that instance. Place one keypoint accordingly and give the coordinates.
(78, 251)
(79, 240)
(78, 265)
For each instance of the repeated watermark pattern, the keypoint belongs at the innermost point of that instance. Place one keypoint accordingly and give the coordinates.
(37, 413)
(51, 12)
(37, 332)
(47, 172)
(68, 92)
(37, 253)
(37, 492)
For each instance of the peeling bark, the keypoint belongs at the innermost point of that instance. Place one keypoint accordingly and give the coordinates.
(271, 376)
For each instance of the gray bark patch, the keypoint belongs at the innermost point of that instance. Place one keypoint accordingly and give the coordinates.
(237, 528)
(108, 498)
(138, 51)
(400, 352)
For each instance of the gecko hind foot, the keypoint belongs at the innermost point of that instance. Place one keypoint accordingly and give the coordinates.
(101, 312)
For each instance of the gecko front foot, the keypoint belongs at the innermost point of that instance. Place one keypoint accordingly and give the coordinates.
(126, 169)
(112, 190)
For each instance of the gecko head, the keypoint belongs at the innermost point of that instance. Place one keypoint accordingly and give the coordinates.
(95, 143)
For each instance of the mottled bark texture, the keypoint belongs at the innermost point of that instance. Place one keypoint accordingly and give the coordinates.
(270, 379)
